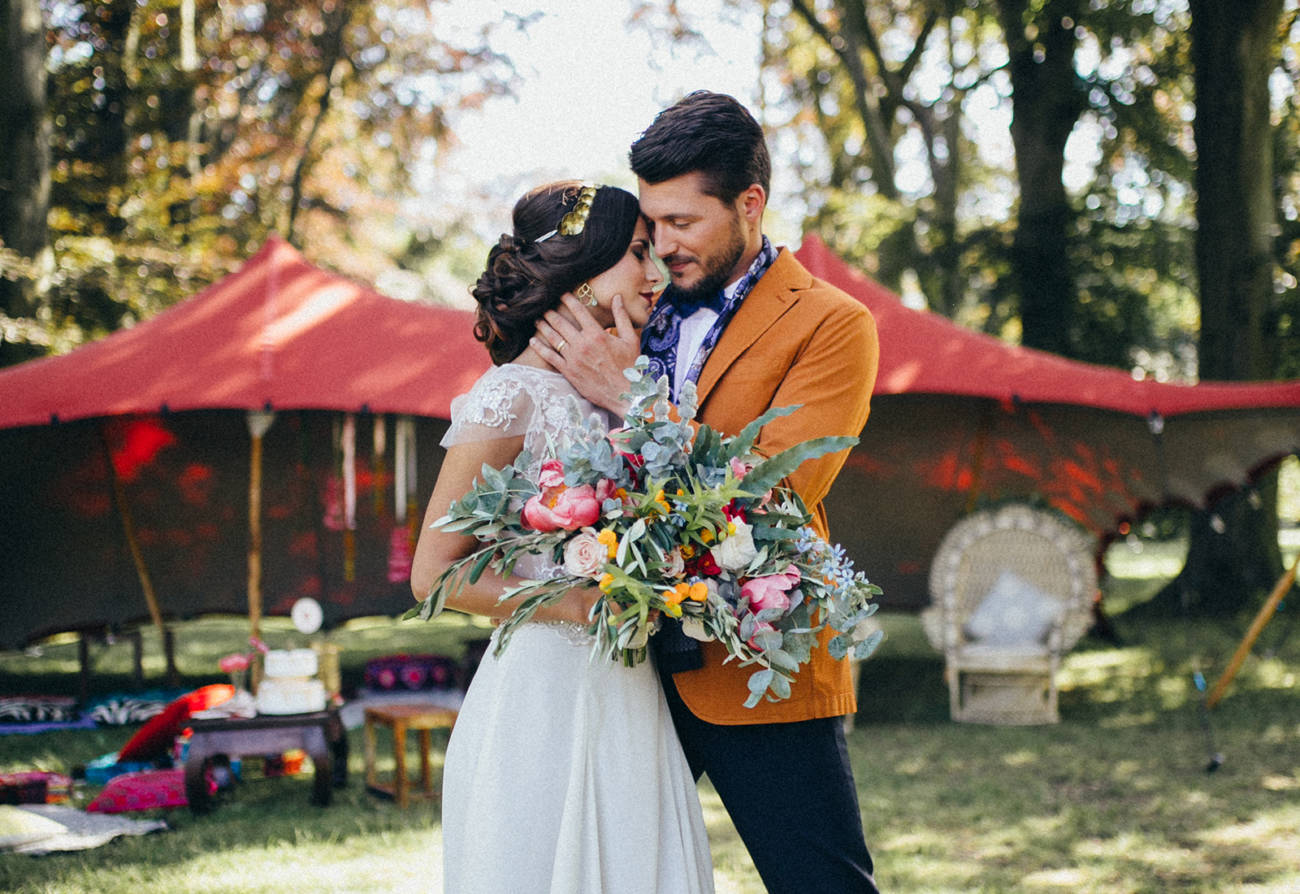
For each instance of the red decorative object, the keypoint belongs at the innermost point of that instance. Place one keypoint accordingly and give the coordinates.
(412, 672)
(154, 740)
(141, 791)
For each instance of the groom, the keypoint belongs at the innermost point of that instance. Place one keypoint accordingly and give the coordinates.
(753, 329)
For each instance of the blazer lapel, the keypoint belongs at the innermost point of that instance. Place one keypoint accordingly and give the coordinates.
(771, 298)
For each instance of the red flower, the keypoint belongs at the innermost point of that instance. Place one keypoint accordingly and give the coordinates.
(702, 564)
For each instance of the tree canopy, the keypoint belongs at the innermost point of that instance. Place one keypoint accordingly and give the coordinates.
(185, 131)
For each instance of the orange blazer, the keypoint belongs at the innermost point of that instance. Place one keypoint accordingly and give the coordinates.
(794, 340)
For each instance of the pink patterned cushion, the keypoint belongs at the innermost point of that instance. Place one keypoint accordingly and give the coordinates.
(141, 791)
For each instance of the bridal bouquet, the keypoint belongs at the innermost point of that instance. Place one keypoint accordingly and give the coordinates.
(667, 518)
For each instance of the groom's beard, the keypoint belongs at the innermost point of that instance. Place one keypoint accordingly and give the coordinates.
(717, 269)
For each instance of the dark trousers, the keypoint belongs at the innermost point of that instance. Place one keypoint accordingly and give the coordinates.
(790, 792)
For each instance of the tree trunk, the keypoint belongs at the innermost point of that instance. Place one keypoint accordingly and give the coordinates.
(25, 174)
(1047, 102)
(1233, 553)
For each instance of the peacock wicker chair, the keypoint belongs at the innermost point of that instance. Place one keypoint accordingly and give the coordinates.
(1012, 590)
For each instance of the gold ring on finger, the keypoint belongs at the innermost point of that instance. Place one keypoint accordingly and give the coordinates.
(559, 345)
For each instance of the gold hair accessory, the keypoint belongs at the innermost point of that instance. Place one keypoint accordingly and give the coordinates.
(575, 221)
(585, 294)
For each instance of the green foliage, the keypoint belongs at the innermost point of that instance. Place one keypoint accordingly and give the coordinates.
(1097, 803)
(181, 143)
(903, 101)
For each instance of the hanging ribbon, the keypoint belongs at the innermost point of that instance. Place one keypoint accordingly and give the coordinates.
(401, 546)
(349, 497)
(412, 509)
(379, 446)
(333, 495)
(405, 468)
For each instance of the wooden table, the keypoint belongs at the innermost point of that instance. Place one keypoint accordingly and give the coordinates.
(320, 734)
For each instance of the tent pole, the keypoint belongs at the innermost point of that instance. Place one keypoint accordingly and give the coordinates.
(137, 558)
(1280, 589)
(258, 423)
(255, 538)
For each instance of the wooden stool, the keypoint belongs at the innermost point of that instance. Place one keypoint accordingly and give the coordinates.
(400, 718)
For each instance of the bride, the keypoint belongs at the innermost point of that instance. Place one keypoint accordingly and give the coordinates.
(562, 774)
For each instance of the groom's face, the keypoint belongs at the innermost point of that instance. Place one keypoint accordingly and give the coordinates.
(700, 238)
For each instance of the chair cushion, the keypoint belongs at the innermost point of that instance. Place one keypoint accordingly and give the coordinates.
(1013, 613)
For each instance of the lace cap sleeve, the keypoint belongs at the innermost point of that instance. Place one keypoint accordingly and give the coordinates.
(497, 406)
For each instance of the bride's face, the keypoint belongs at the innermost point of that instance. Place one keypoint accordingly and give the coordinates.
(635, 277)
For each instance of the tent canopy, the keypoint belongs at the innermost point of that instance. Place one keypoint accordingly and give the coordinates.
(284, 334)
(279, 333)
(924, 353)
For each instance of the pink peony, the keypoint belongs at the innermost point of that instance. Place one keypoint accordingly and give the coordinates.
(771, 590)
(569, 509)
(551, 476)
(605, 489)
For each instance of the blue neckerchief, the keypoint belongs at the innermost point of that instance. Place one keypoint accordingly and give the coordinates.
(674, 651)
(663, 330)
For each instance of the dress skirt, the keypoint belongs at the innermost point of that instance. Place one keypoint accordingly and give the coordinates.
(563, 775)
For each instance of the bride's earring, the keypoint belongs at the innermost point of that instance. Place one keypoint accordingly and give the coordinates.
(585, 294)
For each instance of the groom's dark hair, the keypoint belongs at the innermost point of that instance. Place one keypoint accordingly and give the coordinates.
(707, 132)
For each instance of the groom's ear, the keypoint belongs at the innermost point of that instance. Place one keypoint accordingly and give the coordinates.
(751, 203)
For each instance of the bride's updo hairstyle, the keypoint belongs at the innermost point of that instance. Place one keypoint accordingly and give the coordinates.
(528, 270)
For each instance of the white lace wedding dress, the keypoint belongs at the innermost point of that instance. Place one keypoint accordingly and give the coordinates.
(562, 775)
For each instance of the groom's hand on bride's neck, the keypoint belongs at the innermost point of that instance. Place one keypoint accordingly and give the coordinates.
(591, 357)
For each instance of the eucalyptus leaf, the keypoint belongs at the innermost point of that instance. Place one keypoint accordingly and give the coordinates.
(769, 472)
(744, 441)
(868, 645)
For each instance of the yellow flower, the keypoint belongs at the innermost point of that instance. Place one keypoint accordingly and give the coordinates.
(699, 592)
(662, 503)
(688, 551)
(673, 600)
(731, 528)
(706, 535)
(606, 582)
(610, 541)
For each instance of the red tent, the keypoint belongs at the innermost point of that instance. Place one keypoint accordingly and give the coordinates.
(924, 353)
(278, 333)
(960, 419)
(168, 400)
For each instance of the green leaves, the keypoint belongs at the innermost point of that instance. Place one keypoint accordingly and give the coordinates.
(768, 473)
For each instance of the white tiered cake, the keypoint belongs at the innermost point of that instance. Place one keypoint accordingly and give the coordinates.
(290, 685)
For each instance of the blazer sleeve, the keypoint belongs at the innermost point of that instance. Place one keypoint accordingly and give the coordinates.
(831, 380)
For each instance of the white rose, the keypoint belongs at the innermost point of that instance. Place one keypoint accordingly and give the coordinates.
(584, 555)
(737, 551)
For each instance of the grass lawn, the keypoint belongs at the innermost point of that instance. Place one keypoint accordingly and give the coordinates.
(1113, 799)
